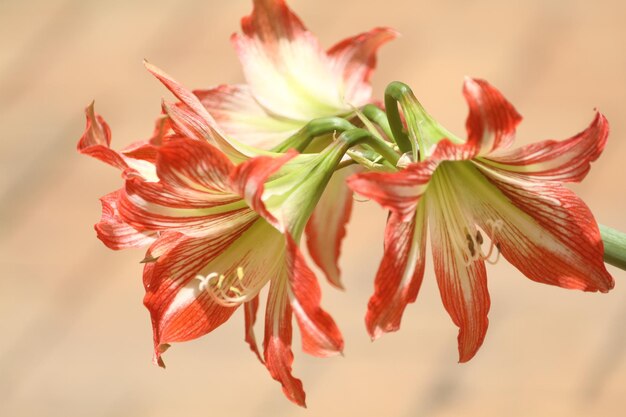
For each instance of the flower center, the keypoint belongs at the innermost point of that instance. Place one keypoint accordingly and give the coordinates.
(228, 290)
(474, 248)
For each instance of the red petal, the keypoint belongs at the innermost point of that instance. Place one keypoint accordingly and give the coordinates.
(277, 342)
(185, 163)
(548, 233)
(462, 283)
(355, 57)
(114, 232)
(492, 119)
(179, 309)
(326, 228)
(398, 191)
(249, 180)
(400, 273)
(320, 335)
(565, 161)
(96, 140)
(250, 311)
(272, 20)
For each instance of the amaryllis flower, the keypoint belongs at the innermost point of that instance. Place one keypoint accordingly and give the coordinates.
(290, 81)
(465, 191)
(218, 234)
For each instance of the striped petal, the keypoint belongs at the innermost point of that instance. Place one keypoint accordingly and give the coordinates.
(400, 273)
(239, 115)
(558, 161)
(320, 335)
(277, 342)
(544, 230)
(461, 277)
(327, 226)
(287, 70)
(355, 58)
(96, 142)
(185, 307)
(114, 232)
(250, 312)
(492, 119)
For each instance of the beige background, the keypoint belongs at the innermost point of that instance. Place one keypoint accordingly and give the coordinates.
(75, 338)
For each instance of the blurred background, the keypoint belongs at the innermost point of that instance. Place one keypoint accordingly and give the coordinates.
(75, 337)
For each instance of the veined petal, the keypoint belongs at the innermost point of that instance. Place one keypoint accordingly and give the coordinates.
(250, 311)
(96, 141)
(288, 72)
(398, 191)
(461, 275)
(193, 120)
(183, 294)
(277, 341)
(544, 230)
(240, 116)
(355, 58)
(560, 161)
(492, 119)
(249, 180)
(154, 206)
(400, 273)
(326, 228)
(199, 166)
(320, 335)
(114, 232)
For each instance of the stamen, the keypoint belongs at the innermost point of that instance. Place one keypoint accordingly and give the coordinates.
(473, 242)
(229, 291)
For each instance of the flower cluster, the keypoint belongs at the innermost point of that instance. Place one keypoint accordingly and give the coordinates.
(235, 177)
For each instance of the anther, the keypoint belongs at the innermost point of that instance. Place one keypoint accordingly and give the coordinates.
(479, 237)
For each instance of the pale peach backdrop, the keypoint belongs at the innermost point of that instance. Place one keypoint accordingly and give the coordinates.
(75, 339)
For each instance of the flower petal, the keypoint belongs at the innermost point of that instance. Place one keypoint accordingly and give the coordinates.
(96, 140)
(240, 116)
(181, 305)
(114, 232)
(400, 273)
(249, 180)
(326, 228)
(320, 335)
(398, 191)
(277, 342)
(191, 118)
(288, 72)
(355, 58)
(195, 165)
(461, 276)
(492, 119)
(250, 311)
(546, 231)
(565, 161)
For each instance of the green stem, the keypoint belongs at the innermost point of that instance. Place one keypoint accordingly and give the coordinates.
(614, 246)
(379, 117)
(393, 95)
(316, 127)
(359, 136)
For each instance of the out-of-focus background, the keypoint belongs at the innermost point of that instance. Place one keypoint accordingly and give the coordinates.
(75, 337)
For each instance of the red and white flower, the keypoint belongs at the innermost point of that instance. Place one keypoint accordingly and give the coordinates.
(290, 81)
(218, 234)
(464, 189)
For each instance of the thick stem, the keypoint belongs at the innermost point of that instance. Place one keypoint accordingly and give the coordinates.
(614, 246)
(358, 136)
(393, 94)
(316, 127)
(379, 117)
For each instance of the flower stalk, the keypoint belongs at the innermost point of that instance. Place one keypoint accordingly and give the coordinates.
(614, 246)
